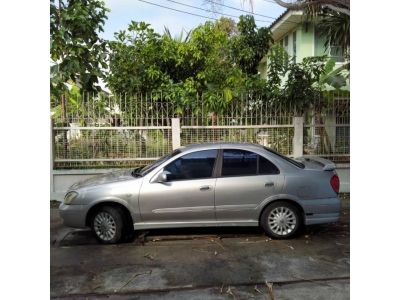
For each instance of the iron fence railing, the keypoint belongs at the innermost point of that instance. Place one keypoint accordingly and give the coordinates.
(110, 131)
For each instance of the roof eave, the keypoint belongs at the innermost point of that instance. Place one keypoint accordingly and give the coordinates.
(285, 23)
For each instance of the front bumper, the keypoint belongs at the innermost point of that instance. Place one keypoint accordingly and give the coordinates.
(73, 215)
(320, 211)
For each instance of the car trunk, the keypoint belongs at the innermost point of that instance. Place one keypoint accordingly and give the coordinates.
(316, 163)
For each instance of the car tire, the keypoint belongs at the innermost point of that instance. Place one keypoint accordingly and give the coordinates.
(128, 234)
(107, 224)
(281, 220)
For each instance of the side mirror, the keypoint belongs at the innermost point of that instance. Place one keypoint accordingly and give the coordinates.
(163, 176)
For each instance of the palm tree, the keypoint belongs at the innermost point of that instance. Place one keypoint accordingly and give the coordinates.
(336, 27)
(340, 6)
(179, 38)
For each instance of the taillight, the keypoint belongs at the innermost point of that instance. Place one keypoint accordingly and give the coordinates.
(335, 183)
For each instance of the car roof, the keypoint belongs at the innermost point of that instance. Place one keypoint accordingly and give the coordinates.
(214, 145)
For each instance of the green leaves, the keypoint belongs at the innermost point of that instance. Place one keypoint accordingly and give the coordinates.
(250, 45)
(77, 52)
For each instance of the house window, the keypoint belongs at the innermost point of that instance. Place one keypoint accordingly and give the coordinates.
(336, 53)
(319, 47)
(294, 45)
(286, 41)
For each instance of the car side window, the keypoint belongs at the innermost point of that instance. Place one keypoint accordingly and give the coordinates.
(266, 167)
(194, 165)
(239, 163)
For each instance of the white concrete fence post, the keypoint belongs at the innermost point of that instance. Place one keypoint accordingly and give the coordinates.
(298, 123)
(176, 133)
(51, 158)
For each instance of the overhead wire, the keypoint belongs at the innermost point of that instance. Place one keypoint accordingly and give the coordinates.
(178, 10)
(208, 10)
(238, 9)
(198, 15)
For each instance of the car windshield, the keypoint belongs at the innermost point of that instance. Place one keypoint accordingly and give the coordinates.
(292, 161)
(147, 169)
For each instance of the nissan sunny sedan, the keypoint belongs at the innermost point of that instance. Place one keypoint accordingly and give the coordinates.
(218, 184)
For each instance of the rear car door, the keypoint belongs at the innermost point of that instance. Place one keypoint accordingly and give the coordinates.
(187, 196)
(245, 180)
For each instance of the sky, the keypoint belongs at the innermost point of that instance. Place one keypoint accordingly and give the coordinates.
(124, 11)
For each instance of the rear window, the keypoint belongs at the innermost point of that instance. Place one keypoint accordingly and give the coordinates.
(266, 167)
(292, 161)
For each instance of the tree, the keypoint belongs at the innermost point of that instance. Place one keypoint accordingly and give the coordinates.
(335, 26)
(250, 45)
(293, 83)
(340, 6)
(135, 59)
(216, 61)
(77, 52)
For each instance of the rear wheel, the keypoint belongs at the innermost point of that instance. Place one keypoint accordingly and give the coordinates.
(281, 220)
(108, 224)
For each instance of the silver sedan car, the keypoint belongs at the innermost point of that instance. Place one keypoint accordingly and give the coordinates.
(218, 184)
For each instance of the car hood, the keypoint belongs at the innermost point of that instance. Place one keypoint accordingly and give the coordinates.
(116, 176)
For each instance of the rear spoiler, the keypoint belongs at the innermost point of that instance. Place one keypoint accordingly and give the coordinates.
(326, 164)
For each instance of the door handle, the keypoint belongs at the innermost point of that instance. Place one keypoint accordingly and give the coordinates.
(204, 188)
(269, 183)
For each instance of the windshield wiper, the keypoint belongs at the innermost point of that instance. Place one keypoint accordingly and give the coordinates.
(136, 172)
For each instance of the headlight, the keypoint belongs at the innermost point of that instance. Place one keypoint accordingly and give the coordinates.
(70, 197)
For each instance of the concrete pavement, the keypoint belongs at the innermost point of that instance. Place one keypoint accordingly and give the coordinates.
(217, 263)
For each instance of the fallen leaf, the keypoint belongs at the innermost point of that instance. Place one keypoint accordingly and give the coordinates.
(257, 290)
(229, 291)
(270, 290)
(149, 256)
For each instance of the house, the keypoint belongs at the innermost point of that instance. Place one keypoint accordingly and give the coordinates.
(300, 39)
(328, 129)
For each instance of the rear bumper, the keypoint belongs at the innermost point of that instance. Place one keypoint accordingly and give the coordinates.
(319, 211)
(73, 215)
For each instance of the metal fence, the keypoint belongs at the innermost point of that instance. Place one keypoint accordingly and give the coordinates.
(327, 128)
(104, 131)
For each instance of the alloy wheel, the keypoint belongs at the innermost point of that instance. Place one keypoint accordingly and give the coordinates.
(104, 226)
(282, 221)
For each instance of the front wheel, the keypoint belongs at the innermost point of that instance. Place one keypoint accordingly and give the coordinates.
(281, 220)
(107, 224)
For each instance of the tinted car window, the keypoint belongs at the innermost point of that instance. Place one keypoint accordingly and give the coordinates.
(239, 162)
(192, 166)
(147, 169)
(266, 167)
(292, 161)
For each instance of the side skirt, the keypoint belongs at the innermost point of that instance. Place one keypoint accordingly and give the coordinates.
(154, 225)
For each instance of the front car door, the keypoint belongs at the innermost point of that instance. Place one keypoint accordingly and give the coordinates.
(245, 180)
(188, 194)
